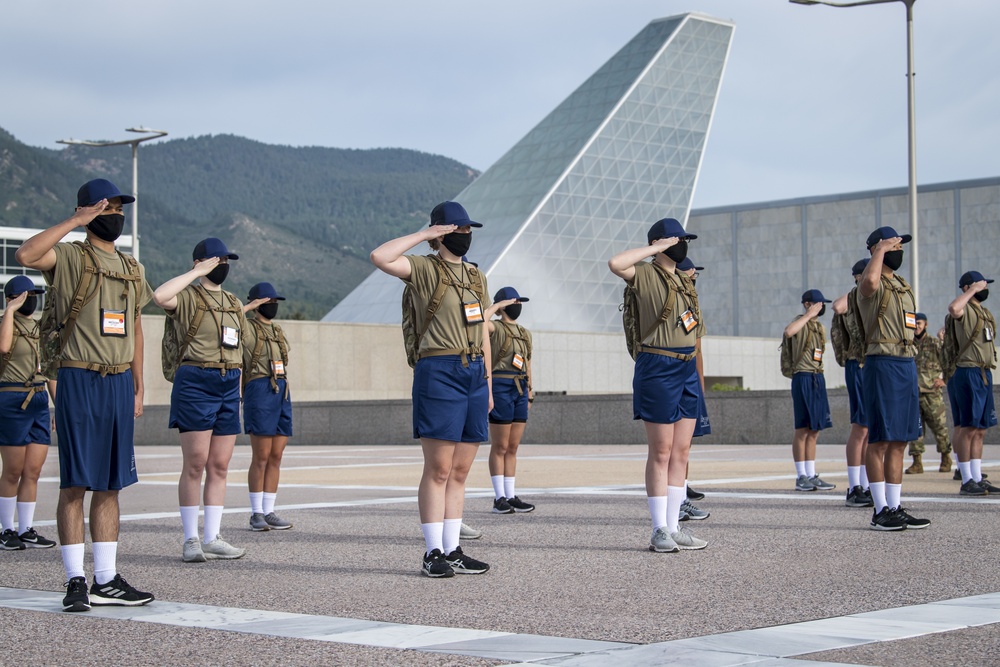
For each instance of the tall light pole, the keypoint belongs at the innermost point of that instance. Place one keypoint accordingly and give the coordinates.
(911, 122)
(134, 143)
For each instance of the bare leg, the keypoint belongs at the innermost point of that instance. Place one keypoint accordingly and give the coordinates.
(13, 467)
(104, 516)
(273, 473)
(260, 446)
(513, 442)
(69, 515)
(34, 459)
(660, 438)
(220, 452)
(194, 449)
(499, 440)
(464, 456)
(438, 455)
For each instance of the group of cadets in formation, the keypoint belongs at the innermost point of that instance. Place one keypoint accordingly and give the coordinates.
(217, 358)
(895, 373)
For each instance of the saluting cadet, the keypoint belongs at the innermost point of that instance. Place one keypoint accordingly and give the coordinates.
(666, 388)
(205, 399)
(931, 399)
(805, 337)
(24, 416)
(267, 404)
(512, 399)
(100, 347)
(889, 377)
(972, 329)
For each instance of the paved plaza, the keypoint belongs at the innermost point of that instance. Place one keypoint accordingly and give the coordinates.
(787, 579)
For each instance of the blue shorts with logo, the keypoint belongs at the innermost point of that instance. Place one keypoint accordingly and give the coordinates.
(24, 427)
(703, 426)
(810, 402)
(203, 399)
(266, 412)
(95, 420)
(450, 401)
(891, 398)
(972, 400)
(508, 405)
(666, 390)
(852, 375)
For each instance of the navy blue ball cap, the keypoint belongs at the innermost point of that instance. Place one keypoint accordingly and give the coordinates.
(970, 277)
(667, 228)
(920, 316)
(94, 191)
(452, 213)
(19, 285)
(212, 247)
(886, 233)
(859, 266)
(505, 293)
(815, 296)
(687, 265)
(264, 291)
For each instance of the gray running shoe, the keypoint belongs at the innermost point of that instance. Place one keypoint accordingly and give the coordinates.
(469, 533)
(258, 523)
(691, 513)
(661, 543)
(803, 483)
(820, 484)
(686, 540)
(275, 522)
(219, 549)
(193, 552)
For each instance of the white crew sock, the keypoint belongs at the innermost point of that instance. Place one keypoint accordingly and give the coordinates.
(864, 478)
(810, 468)
(497, 481)
(105, 557)
(7, 507)
(213, 522)
(800, 468)
(72, 556)
(966, 470)
(434, 535)
(449, 535)
(878, 495)
(853, 476)
(976, 469)
(25, 516)
(268, 504)
(675, 498)
(256, 502)
(657, 511)
(508, 487)
(892, 494)
(189, 519)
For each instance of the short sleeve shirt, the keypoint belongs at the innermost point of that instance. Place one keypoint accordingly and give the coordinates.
(447, 330)
(651, 291)
(808, 347)
(270, 351)
(520, 343)
(982, 352)
(85, 343)
(206, 346)
(23, 364)
(886, 333)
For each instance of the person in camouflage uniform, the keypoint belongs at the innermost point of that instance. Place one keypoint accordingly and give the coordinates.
(931, 399)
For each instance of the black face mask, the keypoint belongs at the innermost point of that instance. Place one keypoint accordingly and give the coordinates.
(268, 310)
(822, 311)
(29, 305)
(218, 275)
(982, 295)
(513, 311)
(457, 244)
(677, 252)
(107, 227)
(893, 259)
(920, 335)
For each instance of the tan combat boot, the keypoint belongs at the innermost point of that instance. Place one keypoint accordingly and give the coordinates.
(917, 468)
(945, 463)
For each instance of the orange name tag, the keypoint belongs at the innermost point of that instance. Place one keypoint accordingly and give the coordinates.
(688, 321)
(518, 362)
(910, 320)
(112, 322)
(473, 312)
(818, 354)
(278, 368)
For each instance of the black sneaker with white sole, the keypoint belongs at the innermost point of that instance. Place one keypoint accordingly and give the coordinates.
(519, 505)
(501, 506)
(119, 593)
(888, 519)
(436, 566)
(33, 540)
(463, 564)
(694, 495)
(9, 541)
(912, 522)
(76, 595)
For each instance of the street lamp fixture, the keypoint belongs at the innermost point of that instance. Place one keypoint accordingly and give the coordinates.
(910, 123)
(134, 143)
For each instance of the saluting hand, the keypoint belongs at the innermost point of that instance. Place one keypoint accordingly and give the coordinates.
(660, 245)
(813, 309)
(888, 244)
(437, 231)
(85, 214)
(978, 286)
(204, 267)
(17, 301)
(257, 303)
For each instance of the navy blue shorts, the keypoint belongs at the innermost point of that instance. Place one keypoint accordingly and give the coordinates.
(95, 420)
(703, 426)
(971, 400)
(666, 390)
(264, 411)
(450, 401)
(203, 399)
(508, 406)
(812, 407)
(891, 398)
(24, 427)
(852, 374)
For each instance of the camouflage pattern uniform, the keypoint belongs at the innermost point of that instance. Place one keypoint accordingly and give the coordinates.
(931, 398)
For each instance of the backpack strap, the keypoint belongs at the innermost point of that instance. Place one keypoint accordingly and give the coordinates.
(80, 297)
(889, 287)
(445, 281)
(668, 306)
(981, 320)
(202, 307)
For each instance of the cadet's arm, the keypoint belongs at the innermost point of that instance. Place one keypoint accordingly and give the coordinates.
(37, 252)
(840, 304)
(137, 364)
(388, 257)
(957, 307)
(623, 264)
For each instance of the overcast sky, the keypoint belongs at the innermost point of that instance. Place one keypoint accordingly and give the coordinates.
(813, 100)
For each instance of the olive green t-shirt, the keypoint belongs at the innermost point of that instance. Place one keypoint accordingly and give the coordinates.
(447, 330)
(884, 335)
(85, 342)
(23, 364)
(808, 347)
(270, 351)
(520, 343)
(651, 291)
(982, 352)
(206, 346)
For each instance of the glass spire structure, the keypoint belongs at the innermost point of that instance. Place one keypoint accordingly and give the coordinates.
(622, 151)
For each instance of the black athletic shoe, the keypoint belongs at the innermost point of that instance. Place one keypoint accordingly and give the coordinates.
(856, 497)
(463, 564)
(695, 495)
(33, 540)
(972, 488)
(9, 541)
(887, 519)
(958, 475)
(436, 566)
(117, 592)
(912, 522)
(501, 506)
(76, 595)
(519, 505)
(989, 488)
